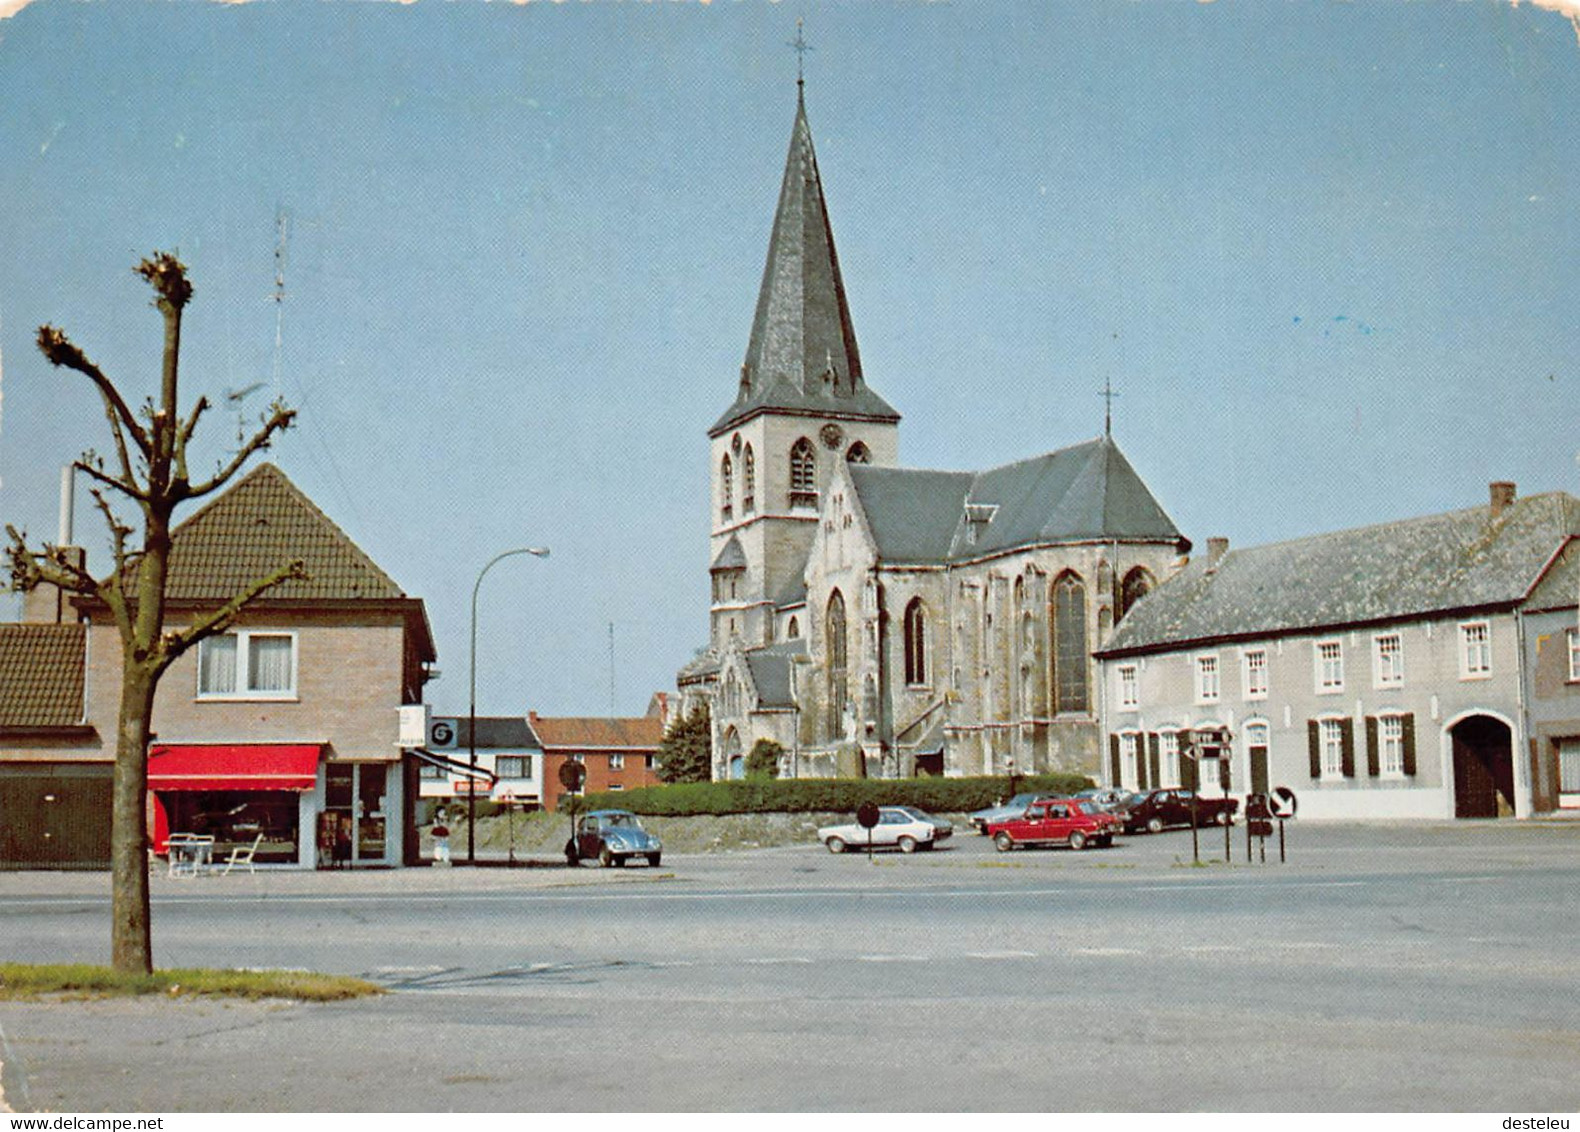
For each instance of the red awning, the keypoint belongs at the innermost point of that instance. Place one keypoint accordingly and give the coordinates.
(233, 766)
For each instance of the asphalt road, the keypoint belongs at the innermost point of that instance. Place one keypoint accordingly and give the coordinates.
(1434, 967)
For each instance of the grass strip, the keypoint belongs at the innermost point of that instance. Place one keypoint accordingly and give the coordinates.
(82, 980)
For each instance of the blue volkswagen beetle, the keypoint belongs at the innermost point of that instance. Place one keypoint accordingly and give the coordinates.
(613, 837)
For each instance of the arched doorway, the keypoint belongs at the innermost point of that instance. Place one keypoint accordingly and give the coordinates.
(1483, 767)
(734, 762)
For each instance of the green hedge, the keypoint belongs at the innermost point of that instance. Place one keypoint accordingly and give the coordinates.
(821, 795)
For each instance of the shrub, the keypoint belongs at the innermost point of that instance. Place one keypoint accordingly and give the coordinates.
(763, 760)
(820, 795)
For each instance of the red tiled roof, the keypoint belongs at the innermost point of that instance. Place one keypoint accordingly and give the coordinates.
(599, 733)
(261, 523)
(41, 670)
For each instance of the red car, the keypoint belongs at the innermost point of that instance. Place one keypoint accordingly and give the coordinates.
(1068, 821)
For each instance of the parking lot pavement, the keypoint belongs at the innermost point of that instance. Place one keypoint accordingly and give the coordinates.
(1428, 966)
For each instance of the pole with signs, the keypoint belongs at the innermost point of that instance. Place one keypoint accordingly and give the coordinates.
(572, 775)
(1283, 805)
(1187, 750)
(867, 817)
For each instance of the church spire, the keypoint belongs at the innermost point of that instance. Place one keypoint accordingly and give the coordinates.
(802, 356)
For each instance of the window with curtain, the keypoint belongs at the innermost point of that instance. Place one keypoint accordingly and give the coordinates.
(247, 664)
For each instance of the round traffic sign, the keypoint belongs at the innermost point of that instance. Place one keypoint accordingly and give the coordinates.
(1282, 803)
(572, 775)
(867, 815)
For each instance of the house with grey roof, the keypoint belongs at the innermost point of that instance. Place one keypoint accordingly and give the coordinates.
(1382, 672)
(872, 618)
(283, 732)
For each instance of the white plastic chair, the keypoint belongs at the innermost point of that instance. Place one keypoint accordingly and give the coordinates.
(240, 856)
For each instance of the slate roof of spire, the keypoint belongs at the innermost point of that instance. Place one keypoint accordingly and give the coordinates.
(802, 357)
(1459, 560)
(1084, 492)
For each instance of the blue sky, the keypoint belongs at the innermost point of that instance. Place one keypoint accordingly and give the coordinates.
(1327, 253)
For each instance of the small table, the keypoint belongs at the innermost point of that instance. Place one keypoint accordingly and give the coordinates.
(190, 854)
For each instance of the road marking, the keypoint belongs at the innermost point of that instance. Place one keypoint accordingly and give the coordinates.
(1001, 955)
(1106, 951)
(894, 958)
(1212, 947)
(1465, 880)
(776, 961)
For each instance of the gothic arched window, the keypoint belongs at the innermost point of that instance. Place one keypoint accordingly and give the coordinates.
(803, 473)
(834, 663)
(1069, 645)
(726, 489)
(859, 454)
(748, 482)
(915, 642)
(1137, 584)
(794, 631)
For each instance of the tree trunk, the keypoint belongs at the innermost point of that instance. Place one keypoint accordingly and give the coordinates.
(131, 942)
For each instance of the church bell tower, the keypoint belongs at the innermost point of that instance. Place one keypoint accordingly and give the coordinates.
(801, 405)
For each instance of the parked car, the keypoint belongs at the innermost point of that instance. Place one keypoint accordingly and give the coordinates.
(1106, 798)
(979, 819)
(613, 837)
(902, 827)
(1155, 810)
(1056, 821)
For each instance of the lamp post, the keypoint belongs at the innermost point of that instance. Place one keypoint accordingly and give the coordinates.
(471, 715)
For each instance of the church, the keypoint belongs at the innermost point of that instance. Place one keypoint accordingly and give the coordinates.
(879, 620)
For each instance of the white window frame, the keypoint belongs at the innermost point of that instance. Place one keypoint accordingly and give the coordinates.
(1129, 753)
(526, 766)
(1209, 678)
(1471, 665)
(1390, 746)
(1248, 688)
(1168, 758)
(1330, 740)
(1385, 675)
(241, 692)
(616, 762)
(1328, 668)
(1574, 656)
(1129, 688)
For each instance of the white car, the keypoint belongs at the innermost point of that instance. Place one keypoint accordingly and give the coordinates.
(902, 827)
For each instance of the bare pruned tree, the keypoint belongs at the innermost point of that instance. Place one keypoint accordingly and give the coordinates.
(149, 468)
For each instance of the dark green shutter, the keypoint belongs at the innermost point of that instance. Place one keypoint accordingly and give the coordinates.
(1347, 749)
(1407, 742)
(1154, 761)
(1314, 739)
(1114, 776)
(1373, 761)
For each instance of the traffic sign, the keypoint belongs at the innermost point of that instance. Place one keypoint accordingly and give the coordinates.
(572, 775)
(867, 815)
(1282, 803)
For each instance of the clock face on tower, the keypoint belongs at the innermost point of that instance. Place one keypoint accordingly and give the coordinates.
(831, 435)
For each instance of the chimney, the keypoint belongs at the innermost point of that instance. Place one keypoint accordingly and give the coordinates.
(46, 604)
(1217, 547)
(1502, 496)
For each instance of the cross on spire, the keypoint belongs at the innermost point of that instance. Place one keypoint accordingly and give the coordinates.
(801, 47)
(1108, 396)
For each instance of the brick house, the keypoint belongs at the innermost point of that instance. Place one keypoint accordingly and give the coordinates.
(1420, 668)
(619, 753)
(285, 727)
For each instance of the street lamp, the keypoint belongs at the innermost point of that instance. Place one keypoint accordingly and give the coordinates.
(471, 727)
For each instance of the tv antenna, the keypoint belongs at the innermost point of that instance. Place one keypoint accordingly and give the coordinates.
(235, 397)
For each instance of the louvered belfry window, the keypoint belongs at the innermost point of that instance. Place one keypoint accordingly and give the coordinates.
(1070, 651)
(726, 489)
(803, 473)
(748, 482)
